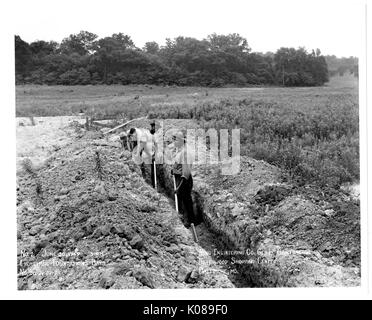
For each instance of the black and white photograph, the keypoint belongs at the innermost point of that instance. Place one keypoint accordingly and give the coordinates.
(188, 145)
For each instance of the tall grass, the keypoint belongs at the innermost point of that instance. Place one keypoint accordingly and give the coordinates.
(316, 143)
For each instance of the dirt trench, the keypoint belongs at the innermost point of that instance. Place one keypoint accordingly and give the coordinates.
(213, 242)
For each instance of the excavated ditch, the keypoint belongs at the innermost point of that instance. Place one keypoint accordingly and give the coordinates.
(263, 233)
(213, 241)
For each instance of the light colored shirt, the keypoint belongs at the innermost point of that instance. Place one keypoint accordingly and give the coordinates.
(182, 165)
(145, 143)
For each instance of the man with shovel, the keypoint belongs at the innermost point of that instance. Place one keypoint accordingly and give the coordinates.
(183, 178)
(143, 144)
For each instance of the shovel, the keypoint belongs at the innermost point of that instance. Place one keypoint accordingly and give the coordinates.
(175, 194)
(155, 180)
(194, 232)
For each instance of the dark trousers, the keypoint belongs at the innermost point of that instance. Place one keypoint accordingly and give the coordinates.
(153, 173)
(185, 200)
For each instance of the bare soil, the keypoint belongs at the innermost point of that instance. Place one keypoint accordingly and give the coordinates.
(91, 228)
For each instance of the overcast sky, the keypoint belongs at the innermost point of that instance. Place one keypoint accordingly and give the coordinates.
(333, 26)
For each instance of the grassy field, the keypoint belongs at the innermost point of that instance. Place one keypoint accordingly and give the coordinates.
(38, 100)
(310, 132)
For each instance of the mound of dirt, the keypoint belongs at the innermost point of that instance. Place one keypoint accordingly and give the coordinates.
(272, 195)
(284, 238)
(85, 223)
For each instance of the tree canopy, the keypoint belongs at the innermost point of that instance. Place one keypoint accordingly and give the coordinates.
(217, 60)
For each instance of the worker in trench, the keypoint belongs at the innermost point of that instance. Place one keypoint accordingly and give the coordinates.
(182, 172)
(124, 140)
(142, 143)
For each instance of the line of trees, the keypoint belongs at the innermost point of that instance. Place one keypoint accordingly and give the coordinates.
(341, 66)
(218, 60)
